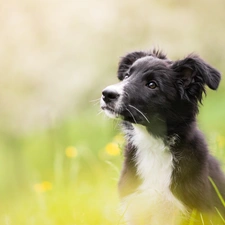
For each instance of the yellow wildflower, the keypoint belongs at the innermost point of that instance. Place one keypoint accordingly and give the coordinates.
(43, 187)
(71, 152)
(112, 149)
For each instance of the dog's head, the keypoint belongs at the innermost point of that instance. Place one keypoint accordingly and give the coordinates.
(154, 90)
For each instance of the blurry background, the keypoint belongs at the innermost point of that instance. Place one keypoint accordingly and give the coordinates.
(59, 159)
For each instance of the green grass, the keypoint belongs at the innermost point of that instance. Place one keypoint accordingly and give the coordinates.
(80, 190)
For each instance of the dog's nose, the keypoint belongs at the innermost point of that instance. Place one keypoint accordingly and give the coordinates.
(110, 95)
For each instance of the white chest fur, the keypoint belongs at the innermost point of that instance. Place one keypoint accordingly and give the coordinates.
(153, 203)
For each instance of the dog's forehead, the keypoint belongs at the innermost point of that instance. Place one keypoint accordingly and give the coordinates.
(143, 60)
(147, 61)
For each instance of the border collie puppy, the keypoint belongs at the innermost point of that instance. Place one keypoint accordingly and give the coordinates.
(168, 177)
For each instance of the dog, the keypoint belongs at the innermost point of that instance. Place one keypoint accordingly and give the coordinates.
(168, 176)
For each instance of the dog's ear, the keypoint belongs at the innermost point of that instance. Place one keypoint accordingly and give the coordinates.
(193, 74)
(127, 61)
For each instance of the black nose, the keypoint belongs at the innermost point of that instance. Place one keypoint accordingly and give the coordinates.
(109, 95)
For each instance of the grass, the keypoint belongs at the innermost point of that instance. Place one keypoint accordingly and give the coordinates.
(64, 175)
(67, 174)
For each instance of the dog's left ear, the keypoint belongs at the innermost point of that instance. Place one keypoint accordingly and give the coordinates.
(127, 61)
(193, 74)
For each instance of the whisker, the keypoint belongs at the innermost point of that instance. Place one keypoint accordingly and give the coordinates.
(140, 112)
(99, 112)
(160, 119)
(131, 115)
(116, 124)
(95, 100)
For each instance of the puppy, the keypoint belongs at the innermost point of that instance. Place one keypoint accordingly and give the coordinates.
(168, 176)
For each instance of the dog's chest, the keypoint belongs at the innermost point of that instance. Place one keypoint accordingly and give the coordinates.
(153, 201)
(153, 160)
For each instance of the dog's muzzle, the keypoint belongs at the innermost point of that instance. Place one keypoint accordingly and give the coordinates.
(111, 99)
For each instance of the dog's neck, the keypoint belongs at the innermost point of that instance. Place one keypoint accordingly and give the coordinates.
(165, 130)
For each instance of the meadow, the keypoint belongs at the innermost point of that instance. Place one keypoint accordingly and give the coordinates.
(67, 174)
(64, 175)
(56, 57)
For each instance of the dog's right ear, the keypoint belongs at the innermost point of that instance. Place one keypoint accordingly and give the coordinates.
(127, 61)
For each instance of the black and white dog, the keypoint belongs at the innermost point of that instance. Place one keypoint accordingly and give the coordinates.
(168, 176)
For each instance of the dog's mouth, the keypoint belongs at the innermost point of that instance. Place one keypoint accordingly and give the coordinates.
(107, 108)
(110, 112)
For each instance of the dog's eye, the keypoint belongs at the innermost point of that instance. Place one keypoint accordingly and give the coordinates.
(152, 85)
(126, 75)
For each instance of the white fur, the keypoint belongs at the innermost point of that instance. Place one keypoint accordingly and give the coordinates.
(153, 203)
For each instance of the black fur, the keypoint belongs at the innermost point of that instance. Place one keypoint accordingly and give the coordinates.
(171, 108)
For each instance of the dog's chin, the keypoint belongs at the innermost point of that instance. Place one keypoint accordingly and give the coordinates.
(111, 113)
